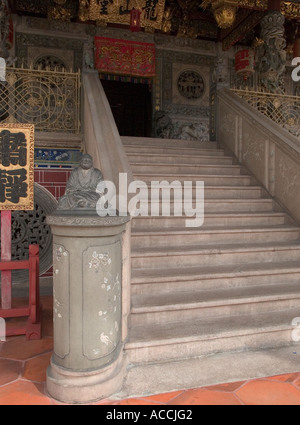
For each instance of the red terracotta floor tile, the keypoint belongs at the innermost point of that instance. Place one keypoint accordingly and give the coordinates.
(267, 392)
(10, 370)
(35, 369)
(204, 397)
(297, 383)
(20, 349)
(23, 393)
(289, 377)
(230, 387)
(135, 402)
(163, 398)
(47, 316)
(23, 366)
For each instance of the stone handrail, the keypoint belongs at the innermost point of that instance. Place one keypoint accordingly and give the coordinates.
(103, 142)
(101, 136)
(269, 151)
(281, 108)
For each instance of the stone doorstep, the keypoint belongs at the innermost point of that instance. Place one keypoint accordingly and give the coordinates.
(166, 376)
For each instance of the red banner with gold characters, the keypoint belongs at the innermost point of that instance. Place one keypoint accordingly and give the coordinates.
(123, 57)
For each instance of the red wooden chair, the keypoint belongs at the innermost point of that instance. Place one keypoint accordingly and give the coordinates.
(17, 309)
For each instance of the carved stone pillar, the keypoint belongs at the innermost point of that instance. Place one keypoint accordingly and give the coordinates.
(271, 54)
(88, 281)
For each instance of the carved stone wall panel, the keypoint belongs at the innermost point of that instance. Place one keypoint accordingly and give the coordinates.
(190, 85)
(65, 57)
(253, 152)
(227, 128)
(184, 79)
(39, 41)
(287, 181)
(102, 314)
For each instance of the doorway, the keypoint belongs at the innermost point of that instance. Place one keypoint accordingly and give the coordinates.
(131, 107)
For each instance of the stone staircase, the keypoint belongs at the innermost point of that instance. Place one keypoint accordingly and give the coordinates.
(230, 286)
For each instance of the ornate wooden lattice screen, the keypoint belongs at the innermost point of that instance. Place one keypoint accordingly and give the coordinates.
(119, 57)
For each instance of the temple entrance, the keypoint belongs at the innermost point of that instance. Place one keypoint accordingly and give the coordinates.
(131, 107)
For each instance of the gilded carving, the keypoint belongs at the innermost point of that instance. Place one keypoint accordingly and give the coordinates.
(290, 9)
(253, 4)
(118, 11)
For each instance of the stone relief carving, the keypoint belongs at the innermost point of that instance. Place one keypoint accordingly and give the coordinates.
(167, 128)
(254, 148)
(105, 311)
(70, 220)
(271, 53)
(194, 131)
(54, 25)
(163, 125)
(61, 258)
(227, 124)
(171, 42)
(190, 84)
(59, 44)
(47, 57)
(290, 179)
(221, 70)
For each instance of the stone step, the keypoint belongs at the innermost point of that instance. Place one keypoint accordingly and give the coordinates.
(210, 219)
(140, 237)
(233, 192)
(185, 169)
(214, 180)
(178, 279)
(210, 205)
(210, 335)
(161, 149)
(214, 255)
(170, 143)
(161, 308)
(228, 286)
(216, 193)
(180, 158)
(199, 371)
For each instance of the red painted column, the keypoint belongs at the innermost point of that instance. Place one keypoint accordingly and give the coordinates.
(6, 286)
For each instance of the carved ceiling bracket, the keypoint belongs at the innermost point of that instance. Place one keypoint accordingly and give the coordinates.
(243, 28)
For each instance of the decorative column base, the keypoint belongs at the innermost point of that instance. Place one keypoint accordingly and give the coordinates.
(88, 362)
(85, 387)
